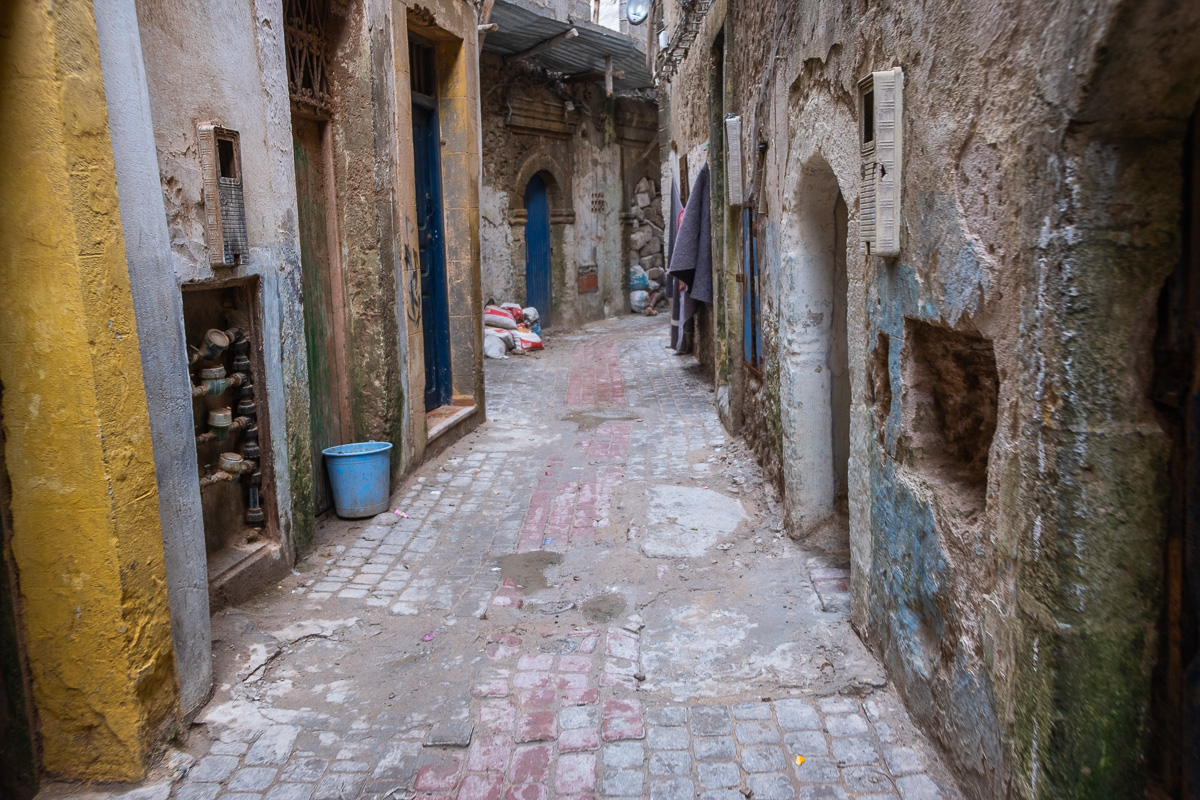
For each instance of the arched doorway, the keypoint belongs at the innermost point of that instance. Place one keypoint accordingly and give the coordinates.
(537, 248)
(814, 368)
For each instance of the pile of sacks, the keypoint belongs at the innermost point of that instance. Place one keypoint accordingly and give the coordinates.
(508, 328)
(646, 291)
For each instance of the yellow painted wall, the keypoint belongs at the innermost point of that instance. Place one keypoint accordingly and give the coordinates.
(87, 541)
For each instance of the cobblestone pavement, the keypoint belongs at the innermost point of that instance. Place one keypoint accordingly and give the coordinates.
(590, 596)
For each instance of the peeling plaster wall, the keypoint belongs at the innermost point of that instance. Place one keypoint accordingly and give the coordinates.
(87, 539)
(226, 66)
(1040, 213)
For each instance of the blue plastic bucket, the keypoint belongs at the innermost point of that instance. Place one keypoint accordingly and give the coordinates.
(359, 475)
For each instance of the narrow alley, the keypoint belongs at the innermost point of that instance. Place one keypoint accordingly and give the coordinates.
(590, 595)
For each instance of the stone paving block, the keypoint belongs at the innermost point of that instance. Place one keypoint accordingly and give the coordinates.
(349, 765)
(398, 761)
(527, 791)
(242, 796)
(752, 733)
(538, 698)
(752, 711)
(722, 794)
(228, 748)
(619, 728)
(723, 775)
(213, 768)
(795, 715)
(623, 782)
(846, 724)
(451, 734)
(531, 764)
(918, 787)
(574, 664)
(579, 717)
(489, 754)
(252, 779)
(670, 763)
(672, 789)
(715, 748)
(575, 773)
(855, 750)
(198, 791)
(770, 786)
(866, 779)
(481, 787)
(438, 773)
(537, 726)
(710, 720)
(498, 716)
(578, 739)
(304, 770)
(903, 760)
(290, 791)
(624, 754)
(668, 739)
(806, 743)
(667, 716)
(817, 770)
(763, 759)
(823, 791)
(345, 784)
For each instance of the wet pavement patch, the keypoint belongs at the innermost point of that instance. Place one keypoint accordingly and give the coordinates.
(528, 570)
(604, 608)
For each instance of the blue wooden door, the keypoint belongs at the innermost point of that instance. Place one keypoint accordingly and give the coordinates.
(537, 248)
(435, 314)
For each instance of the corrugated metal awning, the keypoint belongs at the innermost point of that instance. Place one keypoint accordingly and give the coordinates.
(523, 25)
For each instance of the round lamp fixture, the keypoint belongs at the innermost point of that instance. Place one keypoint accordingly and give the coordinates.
(637, 10)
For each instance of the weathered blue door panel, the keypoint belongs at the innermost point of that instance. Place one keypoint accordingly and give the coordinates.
(435, 313)
(537, 248)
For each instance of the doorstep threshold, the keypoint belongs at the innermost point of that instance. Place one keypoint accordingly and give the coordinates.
(449, 421)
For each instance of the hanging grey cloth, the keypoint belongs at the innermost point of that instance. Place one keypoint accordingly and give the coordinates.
(691, 264)
(691, 257)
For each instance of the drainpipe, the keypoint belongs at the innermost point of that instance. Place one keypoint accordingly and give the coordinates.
(213, 382)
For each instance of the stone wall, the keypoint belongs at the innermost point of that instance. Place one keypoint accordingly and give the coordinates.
(570, 136)
(1005, 470)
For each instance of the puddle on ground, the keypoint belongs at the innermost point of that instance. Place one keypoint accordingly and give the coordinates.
(528, 570)
(590, 420)
(604, 608)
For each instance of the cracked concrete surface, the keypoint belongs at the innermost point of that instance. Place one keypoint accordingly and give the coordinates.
(588, 596)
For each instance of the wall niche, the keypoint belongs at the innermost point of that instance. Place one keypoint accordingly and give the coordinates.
(948, 406)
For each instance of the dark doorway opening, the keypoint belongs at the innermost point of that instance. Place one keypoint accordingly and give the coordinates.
(1176, 700)
(537, 248)
(18, 757)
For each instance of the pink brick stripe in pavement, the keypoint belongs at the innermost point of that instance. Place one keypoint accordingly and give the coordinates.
(595, 377)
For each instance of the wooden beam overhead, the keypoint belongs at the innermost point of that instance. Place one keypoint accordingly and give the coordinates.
(539, 47)
(597, 75)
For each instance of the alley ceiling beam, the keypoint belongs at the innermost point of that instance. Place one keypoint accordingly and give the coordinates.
(594, 75)
(540, 46)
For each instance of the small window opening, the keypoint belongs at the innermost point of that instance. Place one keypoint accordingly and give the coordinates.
(226, 159)
(868, 116)
(421, 69)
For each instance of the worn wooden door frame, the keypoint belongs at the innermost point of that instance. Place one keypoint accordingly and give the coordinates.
(332, 384)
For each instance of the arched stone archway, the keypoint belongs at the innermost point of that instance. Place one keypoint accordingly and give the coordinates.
(814, 373)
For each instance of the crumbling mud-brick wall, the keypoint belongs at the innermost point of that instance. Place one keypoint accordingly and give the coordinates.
(1006, 469)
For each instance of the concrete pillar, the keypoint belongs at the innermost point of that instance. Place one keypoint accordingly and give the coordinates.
(87, 541)
(159, 309)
